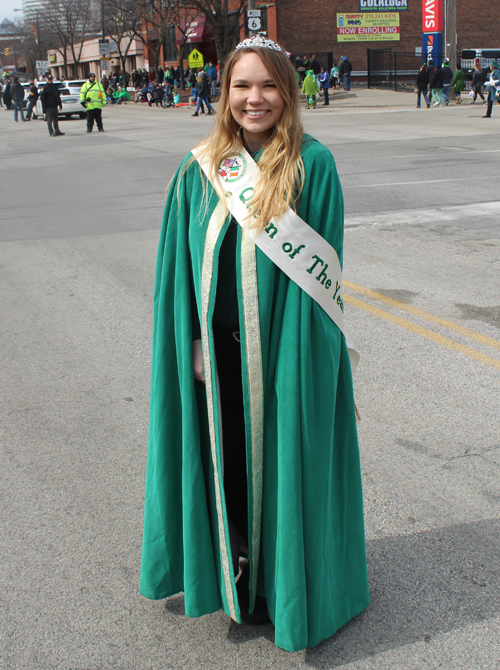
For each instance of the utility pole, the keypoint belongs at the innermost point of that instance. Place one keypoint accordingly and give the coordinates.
(450, 32)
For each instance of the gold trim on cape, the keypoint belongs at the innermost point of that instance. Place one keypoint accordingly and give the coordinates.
(214, 228)
(256, 394)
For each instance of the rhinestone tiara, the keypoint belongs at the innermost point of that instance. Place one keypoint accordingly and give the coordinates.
(259, 41)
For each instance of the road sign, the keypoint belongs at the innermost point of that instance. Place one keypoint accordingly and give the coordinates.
(254, 23)
(195, 59)
(42, 65)
(107, 47)
(104, 63)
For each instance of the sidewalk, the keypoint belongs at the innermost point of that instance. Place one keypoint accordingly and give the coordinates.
(356, 98)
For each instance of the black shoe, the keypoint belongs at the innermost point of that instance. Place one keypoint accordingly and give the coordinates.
(195, 114)
(260, 614)
(101, 130)
(59, 133)
(52, 134)
(89, 131)
(487, 116)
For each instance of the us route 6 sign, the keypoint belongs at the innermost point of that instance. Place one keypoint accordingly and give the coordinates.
(254, 23)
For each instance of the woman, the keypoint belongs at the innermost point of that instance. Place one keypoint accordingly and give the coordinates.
(253, 491)
(459, 84)
(422, 84)
(436, 85)
(477, 84)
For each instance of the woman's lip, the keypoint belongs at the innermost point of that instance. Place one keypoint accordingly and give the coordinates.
(251, 112)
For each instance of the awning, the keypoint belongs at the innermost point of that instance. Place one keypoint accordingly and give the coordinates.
(197, 30)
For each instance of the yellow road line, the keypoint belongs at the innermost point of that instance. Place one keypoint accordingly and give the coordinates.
(471, 334)
(439, 339)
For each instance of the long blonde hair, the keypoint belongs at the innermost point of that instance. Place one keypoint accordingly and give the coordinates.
(281, 170)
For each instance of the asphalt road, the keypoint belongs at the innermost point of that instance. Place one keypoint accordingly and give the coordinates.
(79, 223)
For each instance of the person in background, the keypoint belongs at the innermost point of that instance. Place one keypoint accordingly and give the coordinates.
(345, 69)
(324, 82)
(477, 84)
(32, 100)
(157, 94)
(203, 93)
(430, 69)
(121, 95)
(93, 98)
(212, 73)
(17, 94)
(494, 88)
(422, 84)
(436, 85)
(335, 77)
(1, 93)
(447, 79)
(315, 67)
(51, 103)
(6, 96)
(459, 84)
(310, 88)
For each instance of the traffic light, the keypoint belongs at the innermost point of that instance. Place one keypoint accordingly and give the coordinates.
(7, 51)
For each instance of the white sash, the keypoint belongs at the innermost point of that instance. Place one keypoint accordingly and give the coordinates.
(303, 255)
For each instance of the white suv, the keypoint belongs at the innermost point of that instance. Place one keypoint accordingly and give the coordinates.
(70, 101)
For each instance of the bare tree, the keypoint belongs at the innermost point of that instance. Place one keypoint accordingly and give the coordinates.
(155, 23)
(68, 23)
(122, 21)
(181, 19)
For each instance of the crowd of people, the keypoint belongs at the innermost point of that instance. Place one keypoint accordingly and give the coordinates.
(315, 79)
(435, 80)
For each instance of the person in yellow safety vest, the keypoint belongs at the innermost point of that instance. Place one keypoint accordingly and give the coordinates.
(93, 98)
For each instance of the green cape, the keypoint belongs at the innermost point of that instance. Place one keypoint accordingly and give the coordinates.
(306, 532)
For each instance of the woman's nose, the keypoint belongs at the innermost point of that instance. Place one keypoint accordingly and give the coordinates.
(255, 95)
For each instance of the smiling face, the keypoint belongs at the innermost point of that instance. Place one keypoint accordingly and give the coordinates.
(254, 100)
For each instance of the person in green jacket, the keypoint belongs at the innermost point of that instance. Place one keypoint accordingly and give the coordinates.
(121, 95)
(459, 84)
(93, 98)
(310, 88)
(253, 500)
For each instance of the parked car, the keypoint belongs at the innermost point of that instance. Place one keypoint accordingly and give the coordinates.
(70, 101)
(74, 85)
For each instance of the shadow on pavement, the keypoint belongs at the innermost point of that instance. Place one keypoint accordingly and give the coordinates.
(421, 585)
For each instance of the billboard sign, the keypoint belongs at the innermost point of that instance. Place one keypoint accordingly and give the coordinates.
(432, 16)
(432, 46)
(383, 5)
(376, 27)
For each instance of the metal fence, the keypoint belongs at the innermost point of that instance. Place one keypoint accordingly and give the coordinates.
(395, 70)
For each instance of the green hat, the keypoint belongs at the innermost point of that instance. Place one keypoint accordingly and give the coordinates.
(494, 63)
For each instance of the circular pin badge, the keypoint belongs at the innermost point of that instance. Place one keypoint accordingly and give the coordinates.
(232, 169)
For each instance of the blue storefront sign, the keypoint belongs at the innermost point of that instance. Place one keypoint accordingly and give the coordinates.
(383, 5)
(432, 46)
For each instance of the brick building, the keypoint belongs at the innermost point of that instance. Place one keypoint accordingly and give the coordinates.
(307, 27)
(312, 26)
